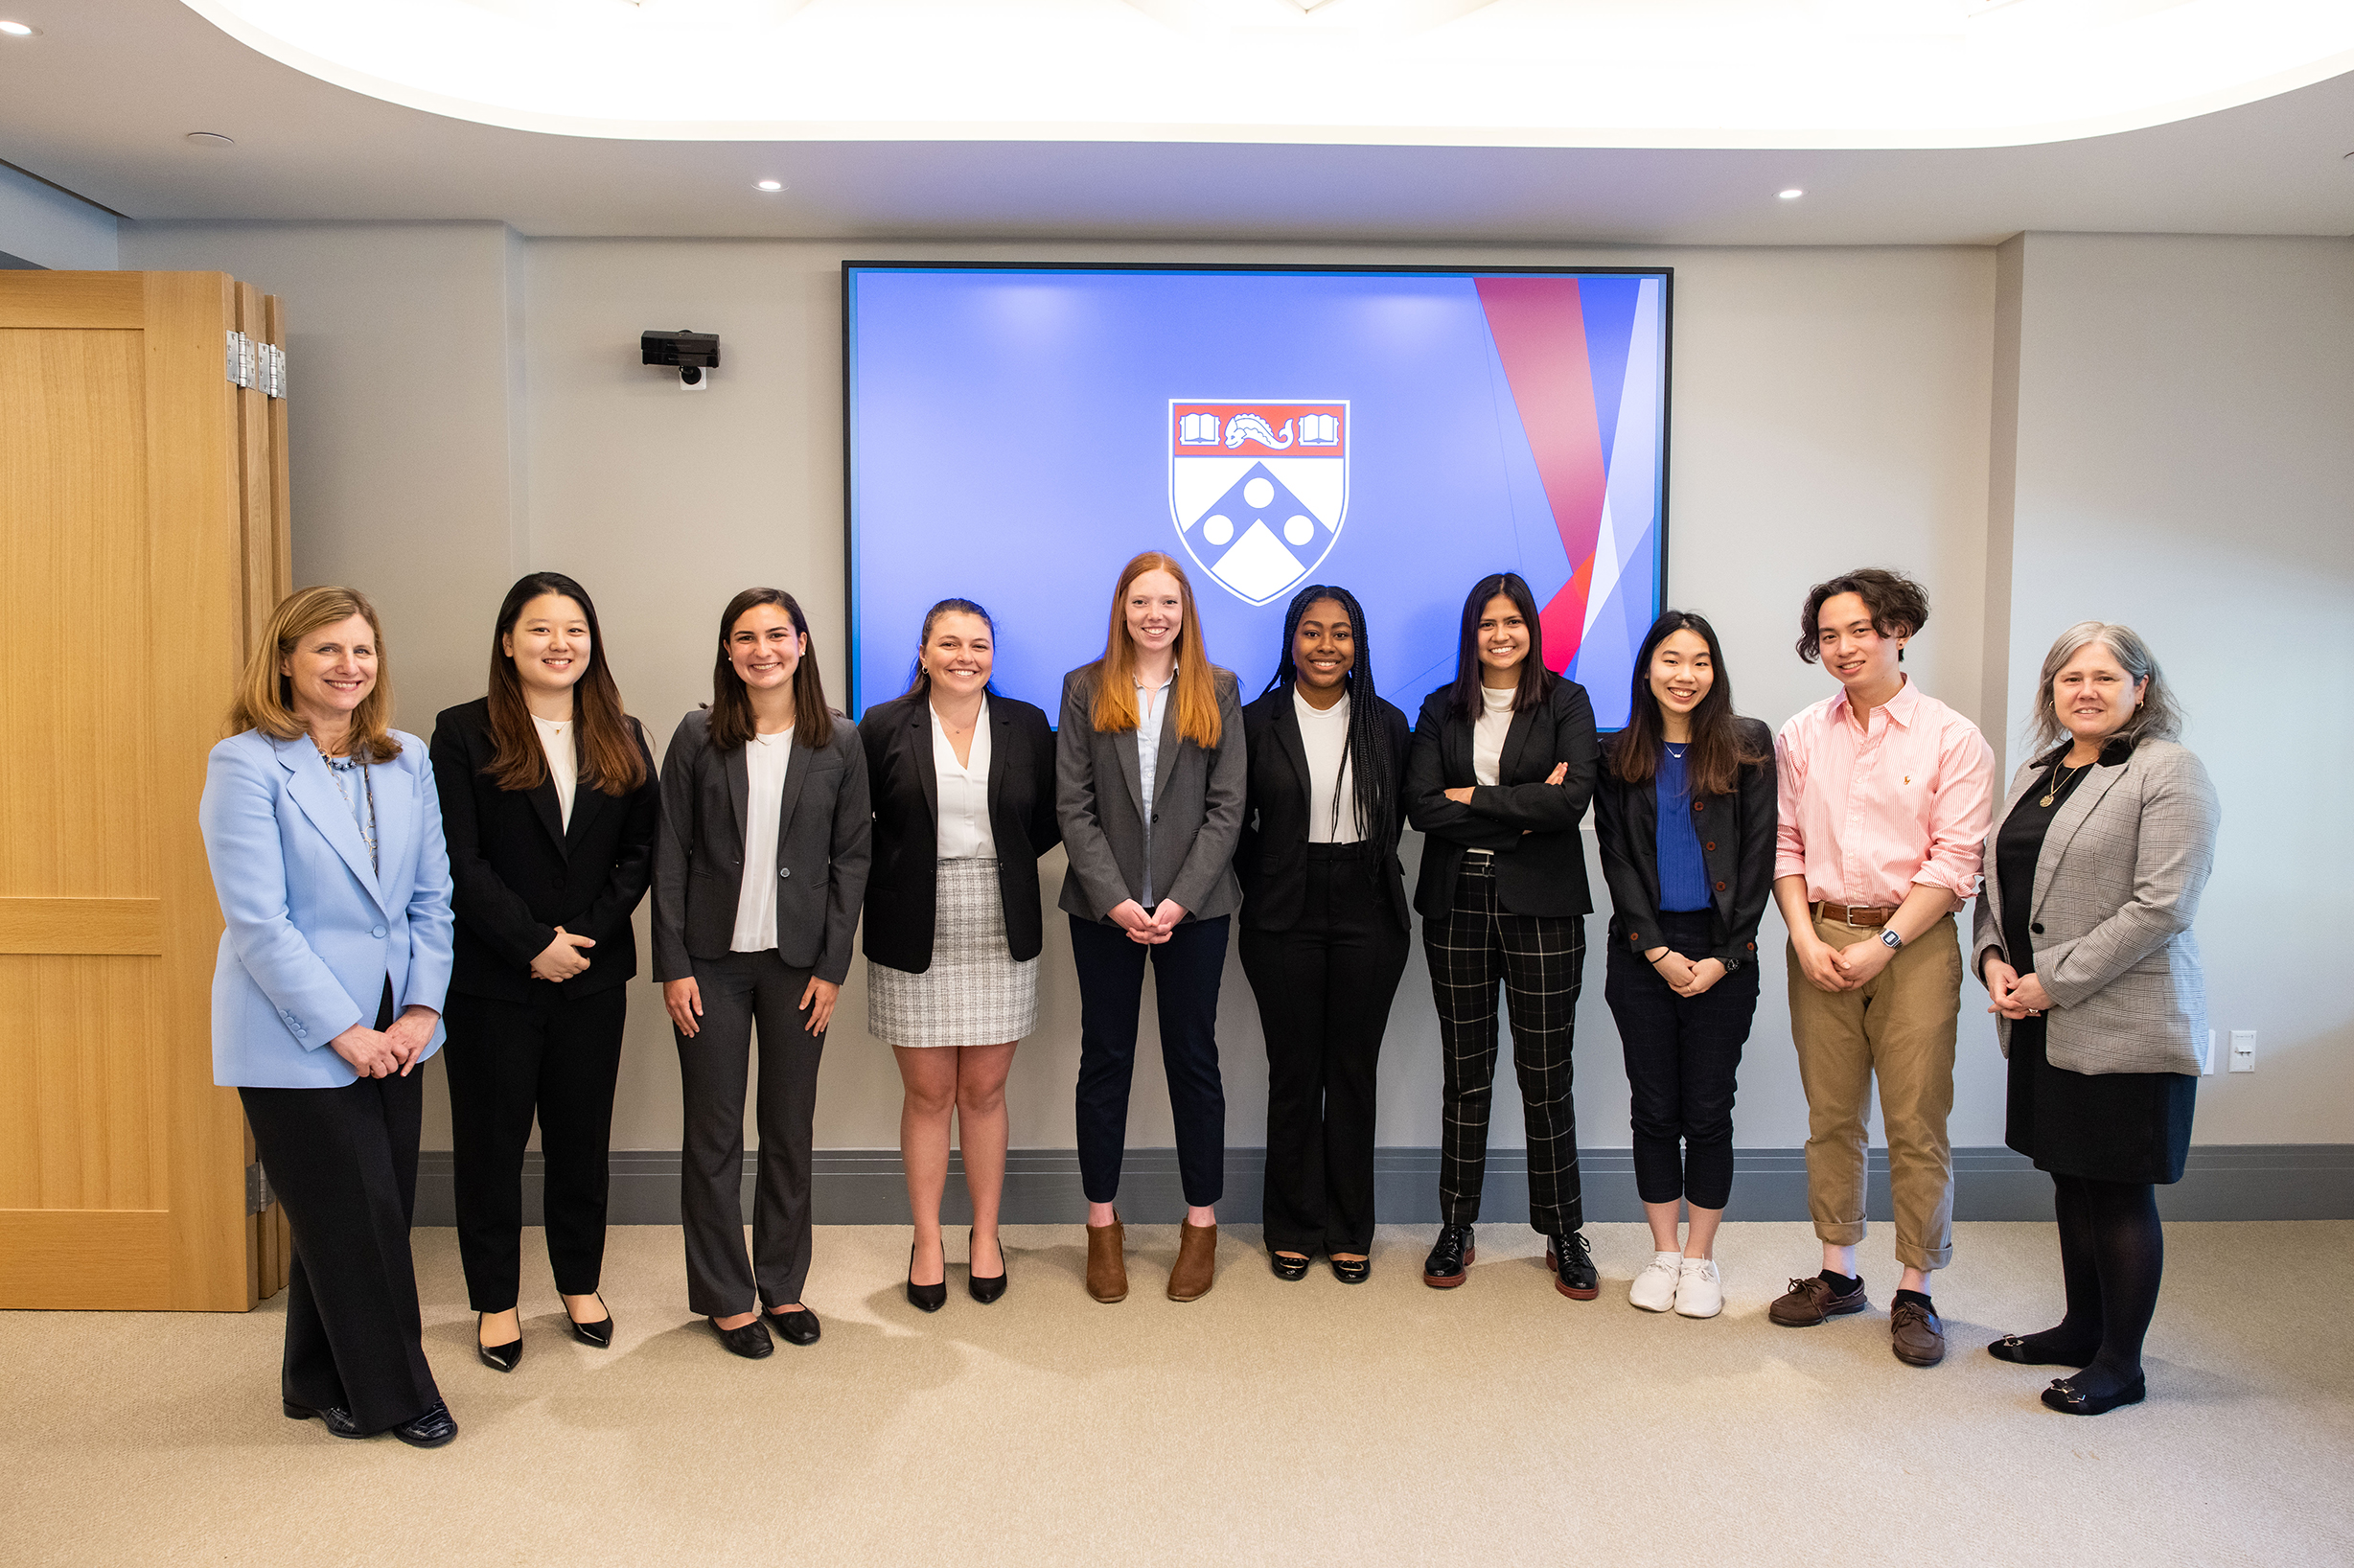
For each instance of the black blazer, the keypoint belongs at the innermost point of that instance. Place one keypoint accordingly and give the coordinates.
(901, 912)
(1272, 858)
(519, 873)
(821, 851)
(1736, 844)
(1530, 826)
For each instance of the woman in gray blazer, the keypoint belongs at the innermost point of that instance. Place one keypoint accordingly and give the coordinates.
(1150, 781)
(758, 873)
(2083, 937)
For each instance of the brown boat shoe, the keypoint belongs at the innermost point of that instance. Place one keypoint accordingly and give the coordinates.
(1916, 1334)
(1813, 1300)
(1107, 1265)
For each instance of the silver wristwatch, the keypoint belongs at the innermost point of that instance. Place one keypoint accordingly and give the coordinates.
(1889, 940)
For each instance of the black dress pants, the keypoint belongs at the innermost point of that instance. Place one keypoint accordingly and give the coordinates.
(1682, 1056)
(1324, 990)
(740, 992)
(344, 1163)
(1187, 972)
(1540, 961)
(555, 1056)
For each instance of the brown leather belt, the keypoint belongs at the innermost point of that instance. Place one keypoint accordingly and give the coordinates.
(1850, 915)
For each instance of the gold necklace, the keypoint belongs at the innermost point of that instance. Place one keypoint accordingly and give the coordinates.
(2060, 780)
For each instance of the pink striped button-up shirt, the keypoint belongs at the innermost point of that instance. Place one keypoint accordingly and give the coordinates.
(1867, 813)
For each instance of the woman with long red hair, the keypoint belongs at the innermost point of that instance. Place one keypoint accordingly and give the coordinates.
(1149, 788)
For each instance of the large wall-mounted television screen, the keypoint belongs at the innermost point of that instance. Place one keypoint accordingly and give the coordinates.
(1016, 433)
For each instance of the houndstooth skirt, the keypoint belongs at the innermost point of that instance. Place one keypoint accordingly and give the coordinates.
(974, 993)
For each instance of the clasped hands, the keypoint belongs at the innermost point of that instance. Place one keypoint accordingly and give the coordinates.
(1463, 797)
(2012, 994)
(379, 1053)
(1685, 977)
(1147, 929)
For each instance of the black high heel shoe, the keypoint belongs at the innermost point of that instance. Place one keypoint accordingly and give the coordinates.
(986, 1290)
(496, 1357)
(928, 1298)
(599, 1334)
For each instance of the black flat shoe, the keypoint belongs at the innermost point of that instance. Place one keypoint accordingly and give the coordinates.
(985, 1288)
(1352, 1271)
(2066, 1397)
(2019, 1352)
(496, 1357)
(799, 1326)
(599, 1334)
(430, 1430)
(1288, 1265)
(334, 1418)
(751, 1341)
(927, 1298)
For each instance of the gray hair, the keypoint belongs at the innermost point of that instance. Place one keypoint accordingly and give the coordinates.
(2159, 717)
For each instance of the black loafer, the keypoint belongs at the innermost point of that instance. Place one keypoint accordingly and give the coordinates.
(496, 1357)
(430, 1430)
(599, 1334)
(2066, 1397)
(1573, 1267)
(1452, 1254)
(751, 1341)
(1288, 1265)
(334, 1418)
(799, 1326)
(1352, 1271)
(2018, 1352)
(986, 1288)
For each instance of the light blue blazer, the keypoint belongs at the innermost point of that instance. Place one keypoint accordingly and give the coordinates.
(314, 931)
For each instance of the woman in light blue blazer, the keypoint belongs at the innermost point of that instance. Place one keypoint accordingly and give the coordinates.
(324, 838)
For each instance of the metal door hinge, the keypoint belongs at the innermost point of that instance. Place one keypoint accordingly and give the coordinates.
(258, 1195)
(273, 369)
(240, 366)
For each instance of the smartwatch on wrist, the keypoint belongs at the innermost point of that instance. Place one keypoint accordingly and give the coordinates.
(1889, 940)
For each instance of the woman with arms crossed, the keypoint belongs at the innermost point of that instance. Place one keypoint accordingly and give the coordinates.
(1502, 768)
(963, 785)
(325, 840)
(758, 872)
(1685, 813)
(1325, 925)
(1149, 787)
(549, 800)
(2083, 937)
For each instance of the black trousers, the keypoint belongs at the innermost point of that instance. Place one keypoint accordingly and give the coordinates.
(1682, 1056)
(1540, 961)
(741, 992)
(1324, 990)
(1187, 971)
(344, 1163)
(555, 1057)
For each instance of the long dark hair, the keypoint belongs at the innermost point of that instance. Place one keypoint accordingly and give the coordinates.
(919, 678)
(606, 753)
(1536, 681)
(1371, 765)
(1718, 750)
(732, 703)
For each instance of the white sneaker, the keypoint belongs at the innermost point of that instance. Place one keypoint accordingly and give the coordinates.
(1700, 1292)
(1654, 1288)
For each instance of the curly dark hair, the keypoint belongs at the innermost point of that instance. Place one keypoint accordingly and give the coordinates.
(1900, 607)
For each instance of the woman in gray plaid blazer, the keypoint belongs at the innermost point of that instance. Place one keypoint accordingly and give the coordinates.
(2083, 937)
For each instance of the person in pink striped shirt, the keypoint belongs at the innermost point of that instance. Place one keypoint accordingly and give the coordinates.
(1885, 798)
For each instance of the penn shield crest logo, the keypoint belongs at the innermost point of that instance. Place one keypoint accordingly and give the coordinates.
(1258, 490)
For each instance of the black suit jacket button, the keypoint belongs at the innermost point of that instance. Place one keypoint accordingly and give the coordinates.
(2037, 928)
(787, 872)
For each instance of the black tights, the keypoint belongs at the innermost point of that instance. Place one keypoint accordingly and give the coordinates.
(2112, 1255)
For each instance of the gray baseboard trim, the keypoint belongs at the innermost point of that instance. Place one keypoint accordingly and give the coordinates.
(864, 1187)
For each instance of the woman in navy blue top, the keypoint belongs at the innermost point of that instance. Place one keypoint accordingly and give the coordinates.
(1685, 812)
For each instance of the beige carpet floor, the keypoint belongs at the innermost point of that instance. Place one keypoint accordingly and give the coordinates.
(1273, 1423)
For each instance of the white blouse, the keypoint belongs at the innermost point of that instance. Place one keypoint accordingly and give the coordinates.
(1324, 737)
(1489, 730)
(765, 761)
(556, 739)
(964, 833)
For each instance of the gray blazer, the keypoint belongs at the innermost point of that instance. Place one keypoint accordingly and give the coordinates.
(822, 850)
(1197, 803)
(2115, 888)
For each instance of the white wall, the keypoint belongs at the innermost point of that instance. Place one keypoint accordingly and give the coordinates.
(41, 224)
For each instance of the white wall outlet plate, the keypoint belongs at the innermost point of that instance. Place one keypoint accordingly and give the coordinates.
(2243, 1050)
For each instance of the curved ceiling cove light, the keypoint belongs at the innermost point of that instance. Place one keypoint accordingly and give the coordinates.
(1525, 73)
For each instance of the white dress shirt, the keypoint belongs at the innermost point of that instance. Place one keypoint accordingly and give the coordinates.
(765, 761)
(1489, 730)
(563, 766)
(1151, 705)
(1324, 737)
(964, 833)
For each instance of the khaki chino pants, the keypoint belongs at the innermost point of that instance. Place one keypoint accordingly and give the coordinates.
(1901, 1026)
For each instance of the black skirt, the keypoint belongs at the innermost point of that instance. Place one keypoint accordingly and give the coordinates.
(2100, 1126)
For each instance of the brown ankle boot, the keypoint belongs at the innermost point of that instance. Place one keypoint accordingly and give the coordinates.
(1107, 1269)
(1197, 1262)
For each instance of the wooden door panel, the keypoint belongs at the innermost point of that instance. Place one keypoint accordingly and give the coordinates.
(81, 1125)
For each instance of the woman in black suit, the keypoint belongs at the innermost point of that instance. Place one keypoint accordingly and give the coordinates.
(1685, 813)
(962, 779)
(549, 803)
(1325, 924)
(758, 873)
(1502, 768)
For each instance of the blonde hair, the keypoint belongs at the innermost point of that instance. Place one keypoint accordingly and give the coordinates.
(2157, 718)
(264, 699)
(1197, 689)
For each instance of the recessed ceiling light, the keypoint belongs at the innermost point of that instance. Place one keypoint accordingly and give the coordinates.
(1793, 194)
(16, 30)
(211, 138)
(770, 185)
